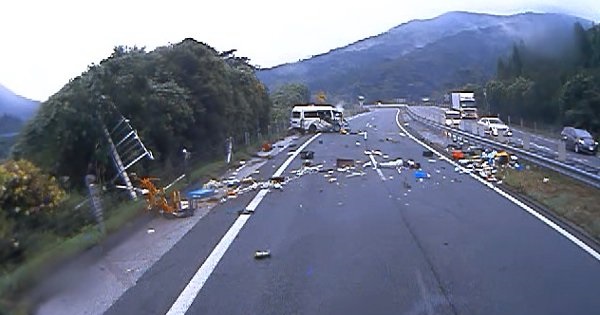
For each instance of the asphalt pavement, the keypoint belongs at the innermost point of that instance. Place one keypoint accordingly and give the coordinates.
(382, 243)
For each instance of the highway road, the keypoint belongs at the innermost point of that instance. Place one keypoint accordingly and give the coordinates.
(542, 144)
(382, 243)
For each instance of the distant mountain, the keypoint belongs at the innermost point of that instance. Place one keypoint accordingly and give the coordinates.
(15, 105)
(421, 57)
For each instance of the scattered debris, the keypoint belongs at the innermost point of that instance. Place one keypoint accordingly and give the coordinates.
(150, 230)
(355, 174)
(545, 180)
(428, 153)
(260, 254)
(419, 174)
(357, 143)
(332, 180)
(267, 147)
(307, 155)
(344, 163)
(432, 160)
(392, 164)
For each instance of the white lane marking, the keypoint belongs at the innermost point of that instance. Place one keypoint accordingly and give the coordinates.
(525, 207)
(191, 290)
(287, 162)
(257, 199)
(376, 168)
(187, 296)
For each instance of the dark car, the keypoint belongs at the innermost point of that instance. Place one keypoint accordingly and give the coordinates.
(579, 140)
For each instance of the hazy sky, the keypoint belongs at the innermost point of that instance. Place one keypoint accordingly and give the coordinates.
(45, 43)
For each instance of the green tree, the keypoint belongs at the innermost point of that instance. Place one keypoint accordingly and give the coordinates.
(186, 94)
(285, 97)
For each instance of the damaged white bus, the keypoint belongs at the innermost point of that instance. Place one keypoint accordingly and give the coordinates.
(317, 117)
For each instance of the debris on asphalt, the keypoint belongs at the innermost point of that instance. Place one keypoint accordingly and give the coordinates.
(332, 180)
(355, 174)
(545, 180)
(428, 153)
(357, 143)
(432, 160)
(307, 155)
(260, 254)
(150, 230)
(392, 164)
(344, 163)
(419, 174)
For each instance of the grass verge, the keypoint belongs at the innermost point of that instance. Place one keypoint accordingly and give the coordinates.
(565, 197)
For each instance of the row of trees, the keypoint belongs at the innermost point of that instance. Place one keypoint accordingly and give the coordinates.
(554, 89)
(182, 95)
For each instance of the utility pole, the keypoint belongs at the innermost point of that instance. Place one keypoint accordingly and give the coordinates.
(119, 164)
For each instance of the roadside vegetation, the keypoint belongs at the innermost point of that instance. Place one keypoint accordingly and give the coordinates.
(565, 197)
(549, 87)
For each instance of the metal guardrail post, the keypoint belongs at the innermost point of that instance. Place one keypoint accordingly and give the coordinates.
(526, 141)
(562, 151)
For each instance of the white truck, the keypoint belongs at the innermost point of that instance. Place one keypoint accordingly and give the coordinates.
(464, 102)
(451, 118)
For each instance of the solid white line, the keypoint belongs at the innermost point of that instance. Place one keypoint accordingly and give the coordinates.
(191, 290)
(525, 207)
(257, 199)
(376, 168)
(187, 296)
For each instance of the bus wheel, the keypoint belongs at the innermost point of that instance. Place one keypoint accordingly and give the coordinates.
(312, 129)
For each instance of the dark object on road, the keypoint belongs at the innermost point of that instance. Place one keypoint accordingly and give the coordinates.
(260, 254)
(320, 141)
(292, 145)
(427, 153)
(579, 140)
(277, 179)
(344, 163)
(307, 155)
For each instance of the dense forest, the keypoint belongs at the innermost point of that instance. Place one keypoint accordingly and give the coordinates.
(181, 95)
(562, 89)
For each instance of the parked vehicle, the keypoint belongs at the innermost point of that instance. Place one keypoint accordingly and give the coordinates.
(494, 126)
(317, 117)
(579, 140)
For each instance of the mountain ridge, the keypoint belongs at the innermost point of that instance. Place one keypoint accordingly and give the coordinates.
(407, 38)
(15, 105)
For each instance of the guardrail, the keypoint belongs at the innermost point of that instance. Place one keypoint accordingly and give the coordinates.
(560, 167)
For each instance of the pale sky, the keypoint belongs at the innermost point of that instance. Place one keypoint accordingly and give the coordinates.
(44, 43)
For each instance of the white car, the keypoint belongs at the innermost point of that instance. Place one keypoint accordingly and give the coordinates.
(494, 126)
